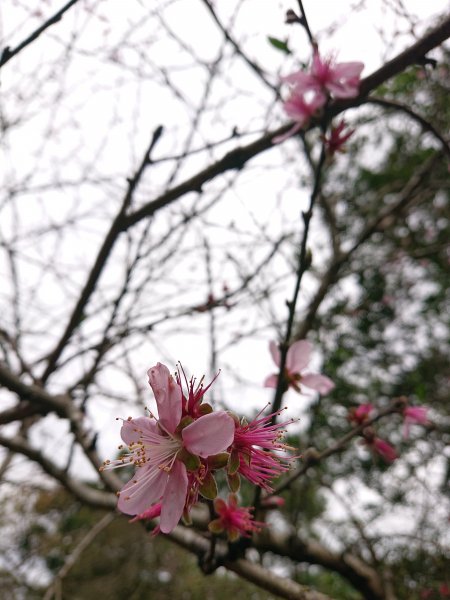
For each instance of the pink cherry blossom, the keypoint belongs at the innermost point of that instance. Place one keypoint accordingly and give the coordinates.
(414, 414)
(300, 108)
(297, 359)
(341, 80)
(155, 447)
(258, 448)
(235, 520)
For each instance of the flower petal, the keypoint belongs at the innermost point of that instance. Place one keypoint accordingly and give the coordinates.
(168, 396)
(144, 489)
(174, 497)
(298, 356)
(301, 81)
(209, 434)
(133, 429)
(275, 352)
(320, 383)
(347, 70)
(271, 381)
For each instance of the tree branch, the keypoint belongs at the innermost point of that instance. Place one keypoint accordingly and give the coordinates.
(83, 492)
(257, 574)
(7, 53)
(100, 262)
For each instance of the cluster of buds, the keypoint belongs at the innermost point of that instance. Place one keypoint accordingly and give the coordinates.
(177, 455)
(363, 413)
(310, 92)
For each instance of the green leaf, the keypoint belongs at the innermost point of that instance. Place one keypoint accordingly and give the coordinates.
(218, 461)
(279, 45)
(208, 489)
(234, 482)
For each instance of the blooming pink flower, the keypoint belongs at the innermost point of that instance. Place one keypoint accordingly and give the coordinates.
(297, 359)
(337, 137)
(413, 414)
(235, 520)
(300, 108)
(256, 450)
(155, 448)
(383, 449)
(360, 414)
(341, 80)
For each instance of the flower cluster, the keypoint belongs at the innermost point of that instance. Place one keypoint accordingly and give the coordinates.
(361, 415)
(311, 90)
(177, 454)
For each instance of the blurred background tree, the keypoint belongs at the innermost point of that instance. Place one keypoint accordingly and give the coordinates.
(146, 215)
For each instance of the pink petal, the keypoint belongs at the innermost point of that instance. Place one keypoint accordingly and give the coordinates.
(320, 383)
(347, 70)
(174, 497)
(148, 514)
(345, 89)
(271, 381)
(416, 414)
(301, 109)
(384, 449)
(302, 81)
(298, 356)
(292, 131)
(210, 434)
(167, 395)
(275, 352)
(132, 430)
(145, 488)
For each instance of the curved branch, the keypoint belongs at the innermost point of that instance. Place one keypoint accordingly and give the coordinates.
(426, 125)
(362, 576)
(64, 408)
(256, 573)
(81, 491)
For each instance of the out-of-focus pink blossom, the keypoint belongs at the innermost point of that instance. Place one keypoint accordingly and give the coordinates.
(258, 449)
(383, 449)
(341, 80)
(297, 359)
(413, 414)
(335, 140)
(235, 520)
(360, 414)
(300, 108)
(155, 449)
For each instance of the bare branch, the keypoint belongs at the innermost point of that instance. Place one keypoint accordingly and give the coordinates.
(8, 53)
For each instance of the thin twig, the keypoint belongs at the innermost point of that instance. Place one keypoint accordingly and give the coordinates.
(8, 53)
